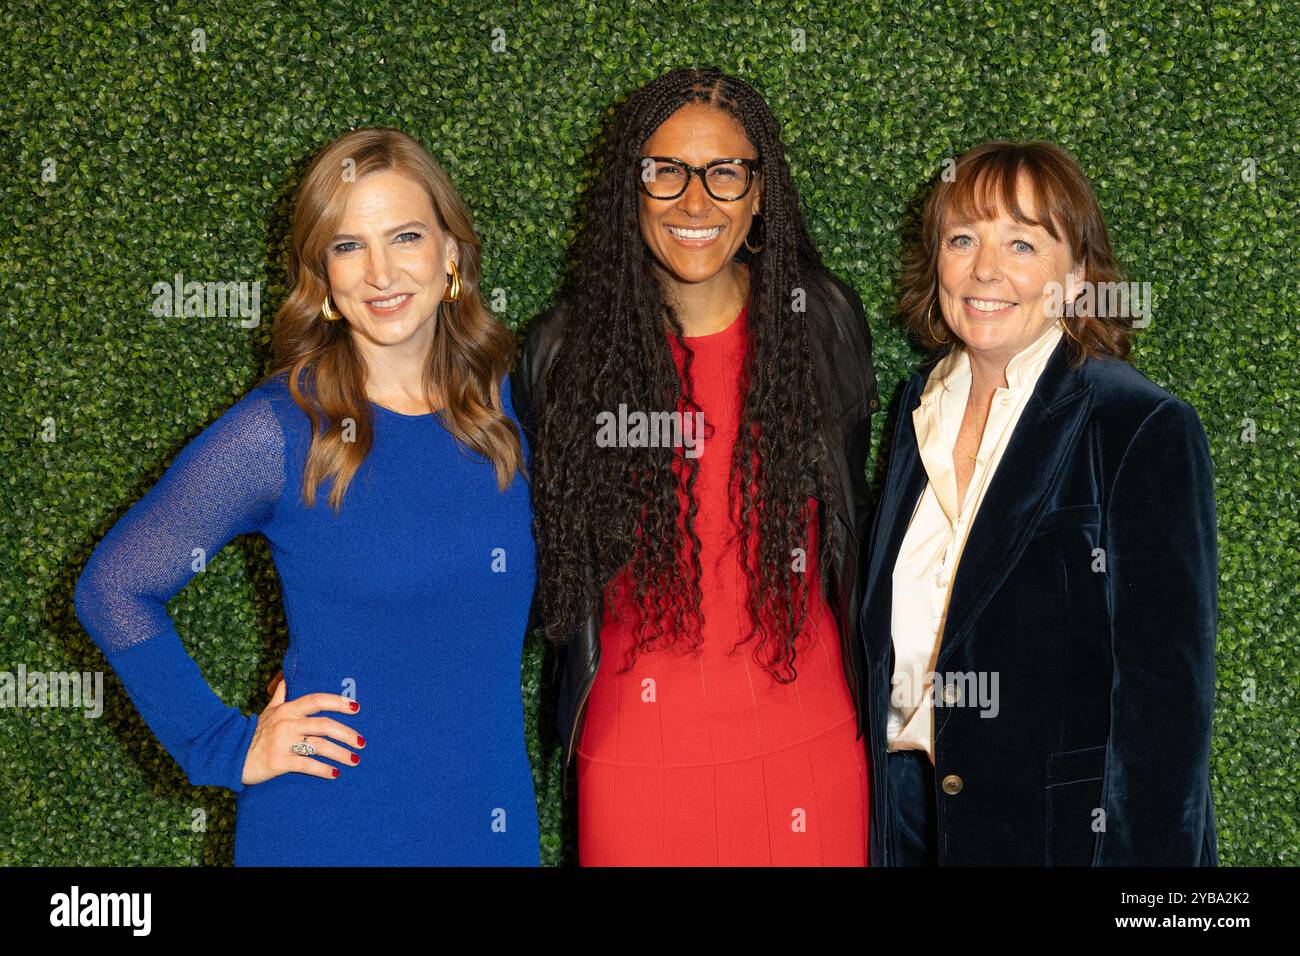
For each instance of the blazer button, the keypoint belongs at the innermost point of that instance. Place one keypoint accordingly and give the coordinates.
(951, 693)
(952, 784)
(873, 404)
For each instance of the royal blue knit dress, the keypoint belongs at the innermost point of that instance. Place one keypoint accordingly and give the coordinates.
(413, 600)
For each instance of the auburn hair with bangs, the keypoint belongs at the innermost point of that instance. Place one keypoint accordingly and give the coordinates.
(1065, 205)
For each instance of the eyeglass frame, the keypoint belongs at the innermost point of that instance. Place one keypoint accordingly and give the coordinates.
(751, 165)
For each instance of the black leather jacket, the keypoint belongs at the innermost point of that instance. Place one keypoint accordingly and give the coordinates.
(841, 329)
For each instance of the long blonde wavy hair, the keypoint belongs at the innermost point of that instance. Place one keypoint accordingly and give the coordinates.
(471, 349)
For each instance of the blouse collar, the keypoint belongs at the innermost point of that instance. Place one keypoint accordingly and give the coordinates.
(1023, 369)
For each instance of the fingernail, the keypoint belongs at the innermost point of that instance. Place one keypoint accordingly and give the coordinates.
(354, 705)
(334, 772)
(356, 758)
(361, 741)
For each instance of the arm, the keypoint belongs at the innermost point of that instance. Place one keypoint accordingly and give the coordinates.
(848, 355)
(511, 406)
(1162, 561)
(523, 393)
(860, 442)
(224, 483)
(540, 343)
(855, 328)
(525, 380)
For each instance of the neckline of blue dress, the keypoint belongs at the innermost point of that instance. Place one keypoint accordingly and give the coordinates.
(401, 416)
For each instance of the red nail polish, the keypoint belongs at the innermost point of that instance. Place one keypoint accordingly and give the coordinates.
(354, 705)
(361, 741)
(334, 772)
(356, 759)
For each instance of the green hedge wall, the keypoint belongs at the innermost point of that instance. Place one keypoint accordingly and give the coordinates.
(134, 148)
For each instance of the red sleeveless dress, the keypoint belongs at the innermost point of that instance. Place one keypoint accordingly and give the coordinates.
(701, 758)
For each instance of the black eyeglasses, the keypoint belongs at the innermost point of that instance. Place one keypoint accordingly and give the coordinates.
(726, 180)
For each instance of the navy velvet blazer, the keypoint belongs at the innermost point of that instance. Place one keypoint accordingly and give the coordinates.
(1089, 587)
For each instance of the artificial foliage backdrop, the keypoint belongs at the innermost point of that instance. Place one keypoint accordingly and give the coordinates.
(142, 140)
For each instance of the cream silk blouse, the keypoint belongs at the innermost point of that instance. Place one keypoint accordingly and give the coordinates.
(936, 535)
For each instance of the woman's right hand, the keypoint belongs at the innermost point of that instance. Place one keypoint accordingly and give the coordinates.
(285, 723)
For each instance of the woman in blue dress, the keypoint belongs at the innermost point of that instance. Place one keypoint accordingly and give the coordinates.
(382, 461)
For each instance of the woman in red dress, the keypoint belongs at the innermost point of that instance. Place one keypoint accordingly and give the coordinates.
(709, 690)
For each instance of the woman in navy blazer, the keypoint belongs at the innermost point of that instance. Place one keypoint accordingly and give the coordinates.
(1069, 696)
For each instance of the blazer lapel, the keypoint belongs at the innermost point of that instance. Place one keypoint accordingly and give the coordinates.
(1031, 467)
(903, 486)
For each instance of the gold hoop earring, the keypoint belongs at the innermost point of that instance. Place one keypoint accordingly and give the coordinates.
(929, 324)
(325, 310)
(452, 292)
(761, 245)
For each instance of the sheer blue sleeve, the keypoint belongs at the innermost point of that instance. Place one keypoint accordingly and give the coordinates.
(224, 483)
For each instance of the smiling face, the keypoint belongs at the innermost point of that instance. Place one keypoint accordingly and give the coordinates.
(387, 263)
(994, 279)
(694, 236)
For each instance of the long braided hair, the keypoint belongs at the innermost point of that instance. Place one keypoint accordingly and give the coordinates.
(602, 511)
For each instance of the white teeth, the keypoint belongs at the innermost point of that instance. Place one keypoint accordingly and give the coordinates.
(389, 303)
(989, 305)
(695, 233)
